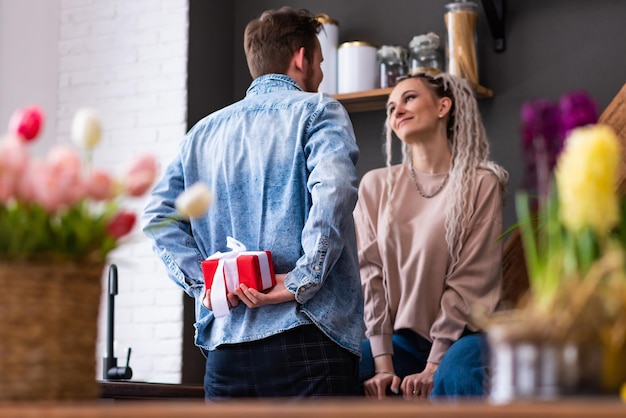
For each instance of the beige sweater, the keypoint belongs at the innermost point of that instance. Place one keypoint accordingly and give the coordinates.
(403, 272)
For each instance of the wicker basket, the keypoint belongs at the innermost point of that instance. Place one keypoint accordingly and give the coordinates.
(48, 330)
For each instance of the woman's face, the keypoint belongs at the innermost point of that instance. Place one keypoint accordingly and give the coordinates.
(413, 109)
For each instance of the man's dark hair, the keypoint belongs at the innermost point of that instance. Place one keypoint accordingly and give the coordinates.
(271, 40)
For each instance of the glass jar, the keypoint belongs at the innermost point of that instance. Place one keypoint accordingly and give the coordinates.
(425, 56)
(460, 20)
(392, 61)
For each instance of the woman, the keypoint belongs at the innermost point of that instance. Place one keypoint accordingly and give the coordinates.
(429, 252)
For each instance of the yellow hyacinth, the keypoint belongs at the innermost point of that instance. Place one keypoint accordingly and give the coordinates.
(586, 177)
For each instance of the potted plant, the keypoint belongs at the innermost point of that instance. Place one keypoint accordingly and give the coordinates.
(59, 219)
(568, 334)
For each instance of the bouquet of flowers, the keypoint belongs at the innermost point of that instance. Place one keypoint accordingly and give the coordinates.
(572, 223)
(60, 208)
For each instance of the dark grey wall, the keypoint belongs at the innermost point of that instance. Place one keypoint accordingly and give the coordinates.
(552, 47)
(210, 66)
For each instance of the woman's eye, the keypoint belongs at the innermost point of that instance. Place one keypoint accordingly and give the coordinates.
(390, 110)
(409, 98)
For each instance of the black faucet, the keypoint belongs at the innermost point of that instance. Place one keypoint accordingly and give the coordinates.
(110, 370)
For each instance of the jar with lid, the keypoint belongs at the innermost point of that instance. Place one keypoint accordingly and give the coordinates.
(329, 42)
(460, 19)
(392, 62)
(425, 56)
(356, 64)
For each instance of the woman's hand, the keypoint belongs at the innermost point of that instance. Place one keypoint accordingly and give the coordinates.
(277, 294)
(419, 385)
(376, 387)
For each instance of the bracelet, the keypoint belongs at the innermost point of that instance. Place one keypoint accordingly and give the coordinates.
(384, 372)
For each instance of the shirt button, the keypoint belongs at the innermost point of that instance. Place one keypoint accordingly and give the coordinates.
(317, 268)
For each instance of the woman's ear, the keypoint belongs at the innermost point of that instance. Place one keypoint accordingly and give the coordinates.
(445, 103)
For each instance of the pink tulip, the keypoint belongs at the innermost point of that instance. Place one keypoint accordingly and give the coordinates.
(8, 186)
(99, 185)
(26, 123)
(13, 154)
(121, 224)
(59, 182)
(47, 192)
(140, 175)
(63, 159)
(13, 161)
(26, 189)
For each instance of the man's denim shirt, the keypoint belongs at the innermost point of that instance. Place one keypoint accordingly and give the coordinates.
(281, 164)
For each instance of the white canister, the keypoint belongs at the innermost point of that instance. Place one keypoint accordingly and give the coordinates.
(329, 40)
(357, 67)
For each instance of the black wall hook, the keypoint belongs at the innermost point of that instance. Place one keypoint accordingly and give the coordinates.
(494, 11)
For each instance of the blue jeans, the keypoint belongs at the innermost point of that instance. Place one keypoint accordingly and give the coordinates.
(461, 373)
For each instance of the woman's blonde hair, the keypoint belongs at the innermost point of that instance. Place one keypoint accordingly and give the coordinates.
(469, 147)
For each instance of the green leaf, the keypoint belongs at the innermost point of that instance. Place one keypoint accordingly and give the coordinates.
(528, 235)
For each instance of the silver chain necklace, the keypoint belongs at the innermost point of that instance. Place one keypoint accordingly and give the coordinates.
(419, 189)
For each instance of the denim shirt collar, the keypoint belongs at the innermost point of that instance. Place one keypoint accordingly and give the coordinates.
(271, 82)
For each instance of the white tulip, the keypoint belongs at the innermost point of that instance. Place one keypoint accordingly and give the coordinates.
(86, 128)
(195, 201)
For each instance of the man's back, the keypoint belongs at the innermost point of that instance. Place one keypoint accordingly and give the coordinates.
(253, 153)
(281, 163)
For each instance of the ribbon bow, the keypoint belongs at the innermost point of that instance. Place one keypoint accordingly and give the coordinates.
(226, 271)
(227, 275)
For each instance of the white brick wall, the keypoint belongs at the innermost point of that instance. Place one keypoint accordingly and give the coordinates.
(127, 59)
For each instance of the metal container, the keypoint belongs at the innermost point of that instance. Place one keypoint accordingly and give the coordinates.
(358, 67)
(329, 40)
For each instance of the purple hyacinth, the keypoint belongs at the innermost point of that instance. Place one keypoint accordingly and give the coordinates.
(542, 141)
(577, 109)
(545, 126)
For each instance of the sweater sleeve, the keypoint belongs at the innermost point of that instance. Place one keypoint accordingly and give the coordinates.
(378, 323)
(476, 279)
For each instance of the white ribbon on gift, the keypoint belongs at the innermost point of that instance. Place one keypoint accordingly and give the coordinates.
(226, 277)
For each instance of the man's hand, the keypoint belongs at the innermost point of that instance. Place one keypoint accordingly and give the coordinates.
(277, 294)
(233, 300)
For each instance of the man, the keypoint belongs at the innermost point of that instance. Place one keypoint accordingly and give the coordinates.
(281, 163)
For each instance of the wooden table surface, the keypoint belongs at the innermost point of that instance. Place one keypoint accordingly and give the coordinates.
(145, 390)
(583, 408)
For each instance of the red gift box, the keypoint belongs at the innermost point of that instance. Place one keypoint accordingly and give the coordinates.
(253, 268)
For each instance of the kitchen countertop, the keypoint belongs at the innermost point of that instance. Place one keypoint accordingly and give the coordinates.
(310, 408)
(128, 389)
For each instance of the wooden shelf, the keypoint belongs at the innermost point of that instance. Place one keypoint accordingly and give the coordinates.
(364, 101)
(368, 100)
